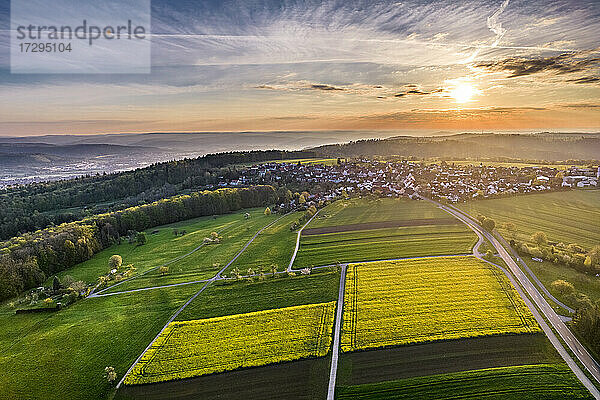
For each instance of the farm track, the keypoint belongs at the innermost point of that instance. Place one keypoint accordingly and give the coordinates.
(100, 293)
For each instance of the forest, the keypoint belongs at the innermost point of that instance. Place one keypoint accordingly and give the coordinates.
(27, 260)
(40, 205)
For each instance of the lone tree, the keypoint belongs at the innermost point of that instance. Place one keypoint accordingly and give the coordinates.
(489, 224)
(164, 270)
(110, 374)
(268, 211)
(115, 262)
(273, 269)
(539, 238)
(563, 287)
(141, 238)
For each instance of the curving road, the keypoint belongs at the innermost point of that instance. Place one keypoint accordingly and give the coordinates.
(289, 268)
(574, 345)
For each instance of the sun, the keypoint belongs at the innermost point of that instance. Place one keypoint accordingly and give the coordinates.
(463, 92)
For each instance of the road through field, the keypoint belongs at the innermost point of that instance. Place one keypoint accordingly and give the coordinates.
(576, 347)
(336, 335)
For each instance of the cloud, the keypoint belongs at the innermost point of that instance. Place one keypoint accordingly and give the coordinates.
(418, 92)
(566, 63)
(294, 86)
(325, 87)
(581, 105)
(585, 79)
(428, 115)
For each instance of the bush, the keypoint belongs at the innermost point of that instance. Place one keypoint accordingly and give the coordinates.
(563, 287)
(115, 262)
(141, 239)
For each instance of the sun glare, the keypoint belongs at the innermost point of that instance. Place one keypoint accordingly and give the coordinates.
(463, 92)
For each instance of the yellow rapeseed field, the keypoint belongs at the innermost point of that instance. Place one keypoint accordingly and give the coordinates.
(193, 348)
(411, 301)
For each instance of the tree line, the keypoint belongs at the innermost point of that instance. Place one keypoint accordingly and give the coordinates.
(40, 205)
(27, 260)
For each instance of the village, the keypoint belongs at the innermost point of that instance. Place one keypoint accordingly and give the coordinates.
(442, 181)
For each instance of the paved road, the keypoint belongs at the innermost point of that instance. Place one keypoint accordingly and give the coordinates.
(576, 347)
(535, 278)
(336, 335)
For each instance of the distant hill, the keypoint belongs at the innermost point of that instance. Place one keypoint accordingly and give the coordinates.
(541, 146)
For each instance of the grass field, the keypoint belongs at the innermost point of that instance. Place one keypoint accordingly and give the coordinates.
(207, 261)
(63, 355)
(548, 272)
(354, 211)
(424, 300)
(378, 365)
(200, 347)
(164, 246)
(568, 217)
(243, 297)
(274, 245)
(527, 382)
(366, 229)
(382, 244)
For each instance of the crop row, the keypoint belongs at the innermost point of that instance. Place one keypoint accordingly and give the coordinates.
(199, 347)
(422, 300)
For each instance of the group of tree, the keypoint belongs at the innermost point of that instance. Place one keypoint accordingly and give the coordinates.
(571, 255)
(26, 261)
(487, 223)
(587, 323)
(40, 205)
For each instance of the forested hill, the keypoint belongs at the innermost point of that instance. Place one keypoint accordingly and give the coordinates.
(36, 206)
(551, 147)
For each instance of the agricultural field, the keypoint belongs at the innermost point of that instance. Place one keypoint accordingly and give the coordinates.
(526, 382)
(568, 217)
(423, 300)
(356, 211)
(69, 349)
(207, 260)
(164, 246)
(223, 298)
(187, 349)
(294, 380)
(400, 362)
(366, 229)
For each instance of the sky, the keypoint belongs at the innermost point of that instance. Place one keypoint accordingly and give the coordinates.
(415, 66)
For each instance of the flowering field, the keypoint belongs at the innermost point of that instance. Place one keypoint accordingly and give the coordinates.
(205, 346)
(411, 301)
